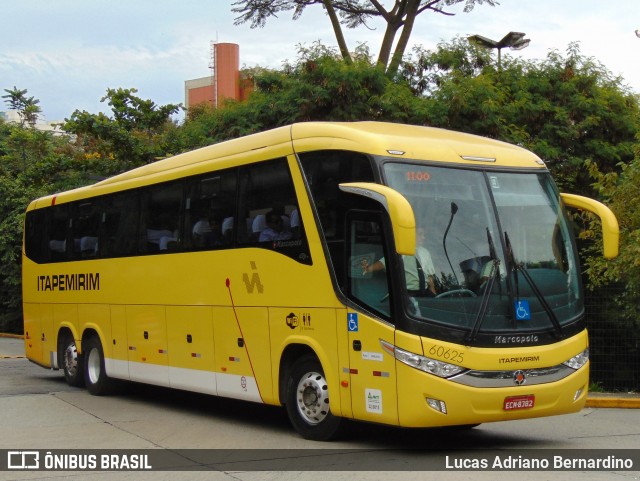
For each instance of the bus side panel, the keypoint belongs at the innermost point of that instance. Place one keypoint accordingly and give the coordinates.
(241, 358)
(373, 372)
(117, 351)
(342, 323)
(191, 349)
(32, 332)
(98, 318)
(147, 339)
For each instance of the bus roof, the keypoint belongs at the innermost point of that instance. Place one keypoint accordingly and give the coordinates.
(398, 141)
(411, 142)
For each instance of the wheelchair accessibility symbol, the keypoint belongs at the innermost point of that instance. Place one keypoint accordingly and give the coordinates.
(352, 322)
(523, 311)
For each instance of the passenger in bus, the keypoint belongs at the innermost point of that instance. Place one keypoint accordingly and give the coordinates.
(275, 229)
(162, 238)
(258, 224)
(207, 232)
(419, 270)
(476, 272)
(227, 230)
(294, 223)
(155, 236)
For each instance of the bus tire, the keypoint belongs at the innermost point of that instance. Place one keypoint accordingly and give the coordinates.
(72, 362)
(307, 401)
(95, 375)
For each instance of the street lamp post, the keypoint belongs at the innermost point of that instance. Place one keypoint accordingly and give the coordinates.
(513, 40)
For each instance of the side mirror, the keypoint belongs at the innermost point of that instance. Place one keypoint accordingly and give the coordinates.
(400, 211)
(610, 229)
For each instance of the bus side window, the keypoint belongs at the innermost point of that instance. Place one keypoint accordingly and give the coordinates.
(58, 233)
(85, 227)
(120, 224)
(36, 223)
(324, 171)
(366, 247)
(209, 211)
(267, 204)
(160, 218)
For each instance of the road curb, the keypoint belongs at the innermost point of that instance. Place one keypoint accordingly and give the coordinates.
(631, 402)
(11, 336)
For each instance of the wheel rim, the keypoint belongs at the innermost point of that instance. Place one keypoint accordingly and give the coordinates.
(313, 398)
(93, 365)
(71, 359)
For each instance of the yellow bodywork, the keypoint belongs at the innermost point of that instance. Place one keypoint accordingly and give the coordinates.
(219, 321)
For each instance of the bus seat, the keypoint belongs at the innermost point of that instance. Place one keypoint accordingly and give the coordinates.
(88, 246)
(259, 224)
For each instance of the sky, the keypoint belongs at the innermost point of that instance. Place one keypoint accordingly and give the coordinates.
(67, 53)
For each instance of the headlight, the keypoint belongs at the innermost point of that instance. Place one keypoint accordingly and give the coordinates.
(432, 366)
(579, 360)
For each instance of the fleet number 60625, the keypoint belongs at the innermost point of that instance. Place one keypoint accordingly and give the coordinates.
(446, 353)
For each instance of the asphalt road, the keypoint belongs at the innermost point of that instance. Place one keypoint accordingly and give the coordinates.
(38, 411)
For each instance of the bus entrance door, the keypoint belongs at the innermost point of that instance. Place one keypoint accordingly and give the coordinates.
(372, 372)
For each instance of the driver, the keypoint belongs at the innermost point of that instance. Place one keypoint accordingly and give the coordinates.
(419, 271)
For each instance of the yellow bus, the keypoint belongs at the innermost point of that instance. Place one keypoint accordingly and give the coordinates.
(394, 274)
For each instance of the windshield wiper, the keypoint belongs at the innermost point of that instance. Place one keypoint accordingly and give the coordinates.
(484, 302)
(534, 287)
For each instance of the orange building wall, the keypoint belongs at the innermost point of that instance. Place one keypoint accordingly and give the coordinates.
(227, 84)
(227, 71)
(201, 95)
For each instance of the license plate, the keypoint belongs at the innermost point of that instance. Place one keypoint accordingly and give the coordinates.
(514, 403)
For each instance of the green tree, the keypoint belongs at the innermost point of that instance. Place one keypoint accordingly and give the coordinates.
(614, 284)
(27, 107)
(620, 191)
(566, 108)
(131, 137)
(399, 20)
(28, 112)
(319, 86)
(53, 166)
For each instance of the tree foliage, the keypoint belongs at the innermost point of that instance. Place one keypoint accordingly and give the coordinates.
(621, 192)
(34, 163)
(27, 107)
(566, 108)
(399, 20)
(51, 166)
(129, 137)
(319, 86)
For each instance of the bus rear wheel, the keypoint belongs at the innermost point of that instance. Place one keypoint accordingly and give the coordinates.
(72, 363)
(95, 375)
(307, 401)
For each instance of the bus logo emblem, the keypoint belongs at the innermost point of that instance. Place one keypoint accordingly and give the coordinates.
(292, 321)
(519, 378)
(254, 282)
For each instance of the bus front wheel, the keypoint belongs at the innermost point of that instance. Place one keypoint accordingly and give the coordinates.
(307, 401)
(95, 376)
(72, 363)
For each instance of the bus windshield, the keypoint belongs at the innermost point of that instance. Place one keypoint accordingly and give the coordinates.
(494, 253)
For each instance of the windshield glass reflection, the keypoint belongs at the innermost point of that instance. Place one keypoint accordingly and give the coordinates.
(462, 217)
